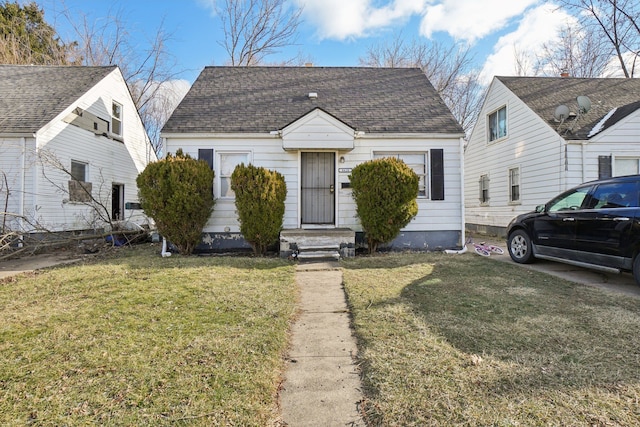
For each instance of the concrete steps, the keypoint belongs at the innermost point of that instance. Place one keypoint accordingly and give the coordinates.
(317, 244)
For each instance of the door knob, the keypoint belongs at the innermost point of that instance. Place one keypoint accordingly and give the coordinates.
(331, 189)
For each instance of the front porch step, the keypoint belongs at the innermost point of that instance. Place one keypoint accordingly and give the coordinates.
(316, 255)
(304, 248)
(317, 243)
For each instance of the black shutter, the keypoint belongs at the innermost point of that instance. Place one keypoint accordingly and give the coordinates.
(604, 167)
(437, 174)
(206, 154)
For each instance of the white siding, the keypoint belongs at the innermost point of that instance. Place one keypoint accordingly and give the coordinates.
(433, 215)
(264, 152)
(109, 161)
(530, 145)
(620, 140)
(268, 152)
(17, 166)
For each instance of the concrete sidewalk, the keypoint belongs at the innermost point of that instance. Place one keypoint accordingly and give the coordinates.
(322, 383)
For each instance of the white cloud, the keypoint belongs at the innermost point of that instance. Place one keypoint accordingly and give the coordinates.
(471, 20)
(539, 26)
(343, 19)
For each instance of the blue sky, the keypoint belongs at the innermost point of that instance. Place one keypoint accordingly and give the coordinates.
(338, 32)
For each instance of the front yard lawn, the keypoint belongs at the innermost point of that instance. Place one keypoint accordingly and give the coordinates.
(143, 340)
(464, 340)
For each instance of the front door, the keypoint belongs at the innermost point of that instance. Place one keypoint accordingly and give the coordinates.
(318, 188)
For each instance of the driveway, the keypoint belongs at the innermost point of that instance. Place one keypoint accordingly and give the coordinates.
(622, 282)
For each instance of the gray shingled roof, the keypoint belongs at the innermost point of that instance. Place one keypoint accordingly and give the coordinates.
(544, 94)
(264, 99)
(31, 96)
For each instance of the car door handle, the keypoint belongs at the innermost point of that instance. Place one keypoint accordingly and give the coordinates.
(568, 219)
(621, 218)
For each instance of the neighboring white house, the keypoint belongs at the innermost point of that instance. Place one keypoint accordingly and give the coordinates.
(313, 125)
(81, 120)
(526, 148)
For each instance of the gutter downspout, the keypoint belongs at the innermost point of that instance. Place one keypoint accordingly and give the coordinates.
(23, 166)
(584, 159)
(462, 210)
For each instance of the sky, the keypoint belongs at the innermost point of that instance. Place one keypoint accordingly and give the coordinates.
(336, 32)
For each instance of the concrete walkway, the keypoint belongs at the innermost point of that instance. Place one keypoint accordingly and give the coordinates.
(322, 383)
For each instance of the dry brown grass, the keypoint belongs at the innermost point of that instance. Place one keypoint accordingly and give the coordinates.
(463, 340)
(142, 340)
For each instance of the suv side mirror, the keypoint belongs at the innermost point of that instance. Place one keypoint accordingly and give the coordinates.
(540, 208)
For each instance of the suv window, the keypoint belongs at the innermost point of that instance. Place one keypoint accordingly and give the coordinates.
(614, 195)
(569, 201)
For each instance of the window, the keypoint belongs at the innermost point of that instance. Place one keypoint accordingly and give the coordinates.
(79, 188)
(570, 201)
(78, 171)
(227, 163)
(484, 188)
(514, 185)
(206, 154)
(614, 195)
(417, 162)
(498, 124)
(626, 166)
(116, 119)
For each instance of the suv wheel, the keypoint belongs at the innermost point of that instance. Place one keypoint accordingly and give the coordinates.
(519, 245)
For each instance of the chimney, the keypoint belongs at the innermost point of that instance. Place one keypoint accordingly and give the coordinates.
(564, 73)
(308, 64)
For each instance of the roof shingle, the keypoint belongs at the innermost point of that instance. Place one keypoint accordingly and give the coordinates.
(31, 96)
(544, 94)
(264, 99)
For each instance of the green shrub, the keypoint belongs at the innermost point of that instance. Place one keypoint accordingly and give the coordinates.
(385, 192)
(260, 195)
(177, 192)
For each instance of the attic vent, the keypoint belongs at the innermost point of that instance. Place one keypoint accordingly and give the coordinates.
(313, 95)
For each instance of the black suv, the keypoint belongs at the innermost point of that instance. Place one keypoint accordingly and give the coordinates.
(595, 225)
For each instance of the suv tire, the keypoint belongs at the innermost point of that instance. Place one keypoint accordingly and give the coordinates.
(519, 246)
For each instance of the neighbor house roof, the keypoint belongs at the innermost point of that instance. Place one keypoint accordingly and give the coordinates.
(31, 96)
(544, 94)
(265, 99)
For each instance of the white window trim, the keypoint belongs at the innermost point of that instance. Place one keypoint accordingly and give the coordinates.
(615, 158)
(509, 185)
(218, 176)
(427, 171)
(119, 119)
(86, 169)
(488, 188)
(495, 111)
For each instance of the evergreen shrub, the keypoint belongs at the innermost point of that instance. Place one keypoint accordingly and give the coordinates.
(177, 192)
(385, 192)
(260, 195)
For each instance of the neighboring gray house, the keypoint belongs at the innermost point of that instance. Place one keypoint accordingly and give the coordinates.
(79, 119)
(525, 148)
(313, 125)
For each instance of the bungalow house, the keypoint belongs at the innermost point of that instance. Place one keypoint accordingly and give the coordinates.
(70, 137)
(313, 125)
(537, 136)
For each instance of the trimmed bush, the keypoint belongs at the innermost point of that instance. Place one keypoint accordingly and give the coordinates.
(177, 192)
(385, 192)
(260, 195)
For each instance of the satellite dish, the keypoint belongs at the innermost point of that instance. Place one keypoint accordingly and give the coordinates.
(561, 113)
(584, 103)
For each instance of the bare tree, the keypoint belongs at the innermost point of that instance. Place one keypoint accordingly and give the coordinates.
(577, 52)
(254, 29)
(617, 22)
(147, 71)
(448, 68)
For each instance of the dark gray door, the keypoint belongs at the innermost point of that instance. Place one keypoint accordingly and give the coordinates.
(318, 188)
